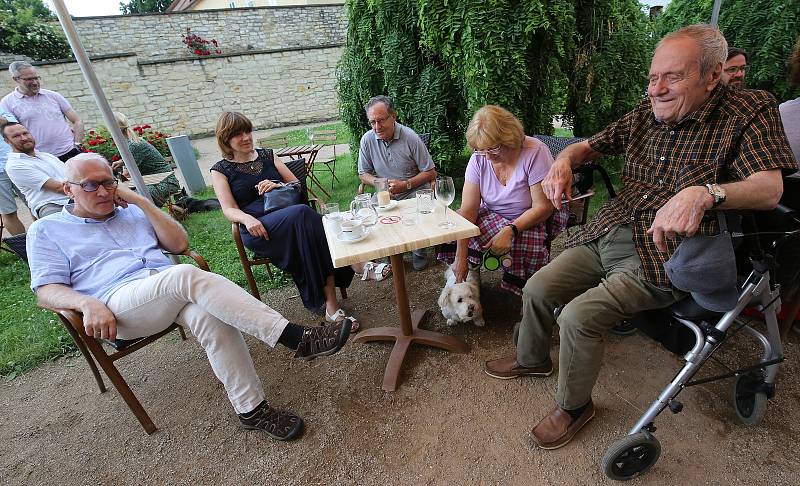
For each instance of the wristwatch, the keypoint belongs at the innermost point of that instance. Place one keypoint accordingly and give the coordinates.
(717, 192)
(514, 229)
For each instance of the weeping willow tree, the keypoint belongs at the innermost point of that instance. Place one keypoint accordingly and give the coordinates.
(441, 60)
(614, 47)
(766, 29)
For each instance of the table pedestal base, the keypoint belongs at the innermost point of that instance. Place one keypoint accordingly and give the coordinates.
(402, 342)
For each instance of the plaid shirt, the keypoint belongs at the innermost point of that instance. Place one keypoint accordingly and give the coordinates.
(732, 135)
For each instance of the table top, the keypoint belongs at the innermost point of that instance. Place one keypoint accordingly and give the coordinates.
(392, 239)
(298, 150)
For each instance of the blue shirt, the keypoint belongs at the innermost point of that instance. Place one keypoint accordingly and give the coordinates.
(5, 148)
(93, 257)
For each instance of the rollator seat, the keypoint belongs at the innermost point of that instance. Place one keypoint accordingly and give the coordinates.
(690, 310)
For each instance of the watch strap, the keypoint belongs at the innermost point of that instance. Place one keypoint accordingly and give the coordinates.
(514, 229)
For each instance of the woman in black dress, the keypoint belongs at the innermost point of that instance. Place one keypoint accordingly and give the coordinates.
(292, 238)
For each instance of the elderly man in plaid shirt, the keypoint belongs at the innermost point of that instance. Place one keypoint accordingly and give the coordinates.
(690, 146)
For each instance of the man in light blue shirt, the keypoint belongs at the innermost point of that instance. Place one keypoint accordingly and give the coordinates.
(101, 256)
(8, 205)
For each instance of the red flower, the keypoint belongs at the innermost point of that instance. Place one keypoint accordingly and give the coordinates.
(92, 132)
(198, 52)
(145, 126)
(93, 142)
(115, 158)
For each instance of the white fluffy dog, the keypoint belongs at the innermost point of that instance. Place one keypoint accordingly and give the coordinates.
(461, 302)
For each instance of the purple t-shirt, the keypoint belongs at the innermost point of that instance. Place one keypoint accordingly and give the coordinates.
(43, 115)
(514, 198)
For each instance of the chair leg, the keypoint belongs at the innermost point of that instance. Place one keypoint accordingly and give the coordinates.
(85, 352)
(183, 332)
(122, 386)
(251, 280)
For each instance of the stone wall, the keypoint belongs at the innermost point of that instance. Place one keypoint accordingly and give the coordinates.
(273, 88)
(275, 84)
(159, 35)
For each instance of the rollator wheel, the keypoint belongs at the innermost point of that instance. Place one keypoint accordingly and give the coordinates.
(623, 328)
(750, 405)
(631, 456)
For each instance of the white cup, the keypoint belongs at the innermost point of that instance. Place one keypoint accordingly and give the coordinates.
(352, 229)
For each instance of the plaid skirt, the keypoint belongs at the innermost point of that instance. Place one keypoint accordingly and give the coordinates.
(529, 251)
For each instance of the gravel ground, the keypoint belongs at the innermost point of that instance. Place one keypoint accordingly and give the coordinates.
(447, 424)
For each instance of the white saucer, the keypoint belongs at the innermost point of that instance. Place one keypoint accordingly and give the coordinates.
(389, 206)
(353, 240)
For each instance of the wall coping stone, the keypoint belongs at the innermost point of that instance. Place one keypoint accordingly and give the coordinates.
(188, 12)
(238, 53)
(98, 57)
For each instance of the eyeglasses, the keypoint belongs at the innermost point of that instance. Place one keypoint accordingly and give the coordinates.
(735, 69)
(379, 121)
(92, 186)
(32, 78)
(495, 151)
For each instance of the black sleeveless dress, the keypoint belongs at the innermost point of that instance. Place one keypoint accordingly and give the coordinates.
(297, 243)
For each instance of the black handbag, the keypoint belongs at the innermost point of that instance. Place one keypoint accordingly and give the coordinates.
(282, 197)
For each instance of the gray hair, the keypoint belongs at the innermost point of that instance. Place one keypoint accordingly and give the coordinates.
(15, 67)
(75, 164)
(381, 99)
(712, 44)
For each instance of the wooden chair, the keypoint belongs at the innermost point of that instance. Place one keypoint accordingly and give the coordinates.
(326, 137)
(298, 168)
(273, 142)
(95, 353)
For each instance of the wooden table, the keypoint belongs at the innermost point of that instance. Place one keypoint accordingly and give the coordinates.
(311, 151)
(394, 240)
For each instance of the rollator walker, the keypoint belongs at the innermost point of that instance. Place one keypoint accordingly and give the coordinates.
(753, 385)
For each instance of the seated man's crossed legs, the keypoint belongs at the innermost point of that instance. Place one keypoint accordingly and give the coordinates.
(216, 311)
(598, 283)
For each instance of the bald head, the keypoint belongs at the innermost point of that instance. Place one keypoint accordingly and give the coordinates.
(78, 165)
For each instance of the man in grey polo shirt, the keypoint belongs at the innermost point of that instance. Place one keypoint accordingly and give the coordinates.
(394, 152)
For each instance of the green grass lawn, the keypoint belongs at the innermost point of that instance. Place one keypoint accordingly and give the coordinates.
(29, 336)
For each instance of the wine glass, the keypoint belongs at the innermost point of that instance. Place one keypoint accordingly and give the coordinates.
(445, 193)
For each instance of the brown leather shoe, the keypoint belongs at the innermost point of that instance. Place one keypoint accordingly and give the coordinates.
(508, 368)
(558, 428)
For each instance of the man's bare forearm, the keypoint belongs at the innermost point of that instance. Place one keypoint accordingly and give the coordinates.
(58, 296)
(578, 154)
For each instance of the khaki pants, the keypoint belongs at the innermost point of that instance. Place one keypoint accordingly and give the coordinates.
(215, 310)
(598, 283)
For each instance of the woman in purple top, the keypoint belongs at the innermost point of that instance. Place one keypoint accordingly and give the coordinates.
(503, 197)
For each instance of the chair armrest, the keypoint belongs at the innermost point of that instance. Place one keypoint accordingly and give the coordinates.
(198, 259)
(361, 188)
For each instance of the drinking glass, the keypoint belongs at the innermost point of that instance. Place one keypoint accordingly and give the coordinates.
(425, 201)
(331, 212)
(445, 193)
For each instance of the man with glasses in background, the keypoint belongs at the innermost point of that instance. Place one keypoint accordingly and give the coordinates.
(44, 112)
(735, 68)
(394, 152)
(39, 175)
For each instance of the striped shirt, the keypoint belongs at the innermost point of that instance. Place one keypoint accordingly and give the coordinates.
(732, 135)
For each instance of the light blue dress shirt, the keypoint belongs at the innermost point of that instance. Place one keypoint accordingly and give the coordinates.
(93, 257)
